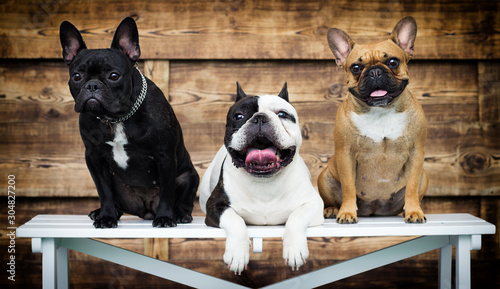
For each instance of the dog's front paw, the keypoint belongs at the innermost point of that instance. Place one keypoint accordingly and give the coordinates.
(183, 213)
(414, 216)
(187, 218)
(295, 252)
(237, 256)
(345, 217)
(330, 212)
(105, 222)
(162, 222)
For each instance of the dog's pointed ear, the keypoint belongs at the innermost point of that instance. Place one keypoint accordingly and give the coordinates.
(240, 94)
(341, 45)
(284, 92)
(71, 41)
(126, 39)
(404, 34)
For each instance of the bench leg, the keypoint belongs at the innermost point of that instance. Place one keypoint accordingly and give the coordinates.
(54, 262)
(48, 263)
(62, 268)
(257, 245)
(462, 245)
(445, 267)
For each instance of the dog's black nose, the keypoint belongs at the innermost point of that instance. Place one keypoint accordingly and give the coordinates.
(92, 86)
(260, 118)
(375, 73)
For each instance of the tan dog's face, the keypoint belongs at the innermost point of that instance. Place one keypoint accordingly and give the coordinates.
(377, 73)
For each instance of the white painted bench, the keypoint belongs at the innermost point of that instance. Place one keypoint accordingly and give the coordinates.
(53, 235)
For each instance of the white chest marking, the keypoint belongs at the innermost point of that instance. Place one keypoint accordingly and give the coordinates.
(380, 123)
(118, 145)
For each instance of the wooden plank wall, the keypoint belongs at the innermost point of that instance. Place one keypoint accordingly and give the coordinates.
(196, 51)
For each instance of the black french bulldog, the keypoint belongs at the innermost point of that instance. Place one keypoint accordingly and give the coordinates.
(134, 147)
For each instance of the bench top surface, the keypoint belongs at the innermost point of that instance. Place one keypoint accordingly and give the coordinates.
(80, 226)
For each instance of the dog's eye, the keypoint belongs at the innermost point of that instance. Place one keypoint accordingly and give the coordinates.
(282, 114)
(393, 63)
(356, 68)
(114, 76)
(77, 77)
(286, 116)
(238, 116)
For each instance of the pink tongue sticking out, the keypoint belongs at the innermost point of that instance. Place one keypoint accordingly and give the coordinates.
(261, 157)
(378, 93)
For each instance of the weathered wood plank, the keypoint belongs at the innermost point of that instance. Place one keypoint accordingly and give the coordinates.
(447, 91)
(473, 171)
(35, 92)
(203, 91)
(251, 29)
(489, 90)
(46, 176)
(159, 73)
(42, 144)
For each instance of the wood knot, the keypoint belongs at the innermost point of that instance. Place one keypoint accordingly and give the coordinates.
(47, 91)
(54, 113)
(305, 132)
(474, 162)
(334, 91)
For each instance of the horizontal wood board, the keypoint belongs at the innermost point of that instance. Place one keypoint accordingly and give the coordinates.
(197, 29)
(42, 145)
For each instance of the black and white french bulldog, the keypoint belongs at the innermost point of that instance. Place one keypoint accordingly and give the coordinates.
(134, 147)
(259, 178)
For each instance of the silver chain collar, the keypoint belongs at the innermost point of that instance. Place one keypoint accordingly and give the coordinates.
(135, 107)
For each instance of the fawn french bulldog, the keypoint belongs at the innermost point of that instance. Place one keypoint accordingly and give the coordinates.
(380, 132)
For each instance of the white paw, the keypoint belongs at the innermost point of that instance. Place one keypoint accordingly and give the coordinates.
(295, 252)
(237, 255)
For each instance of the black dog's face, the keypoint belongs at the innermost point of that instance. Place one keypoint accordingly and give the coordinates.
(101, 79)
(101, 82)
